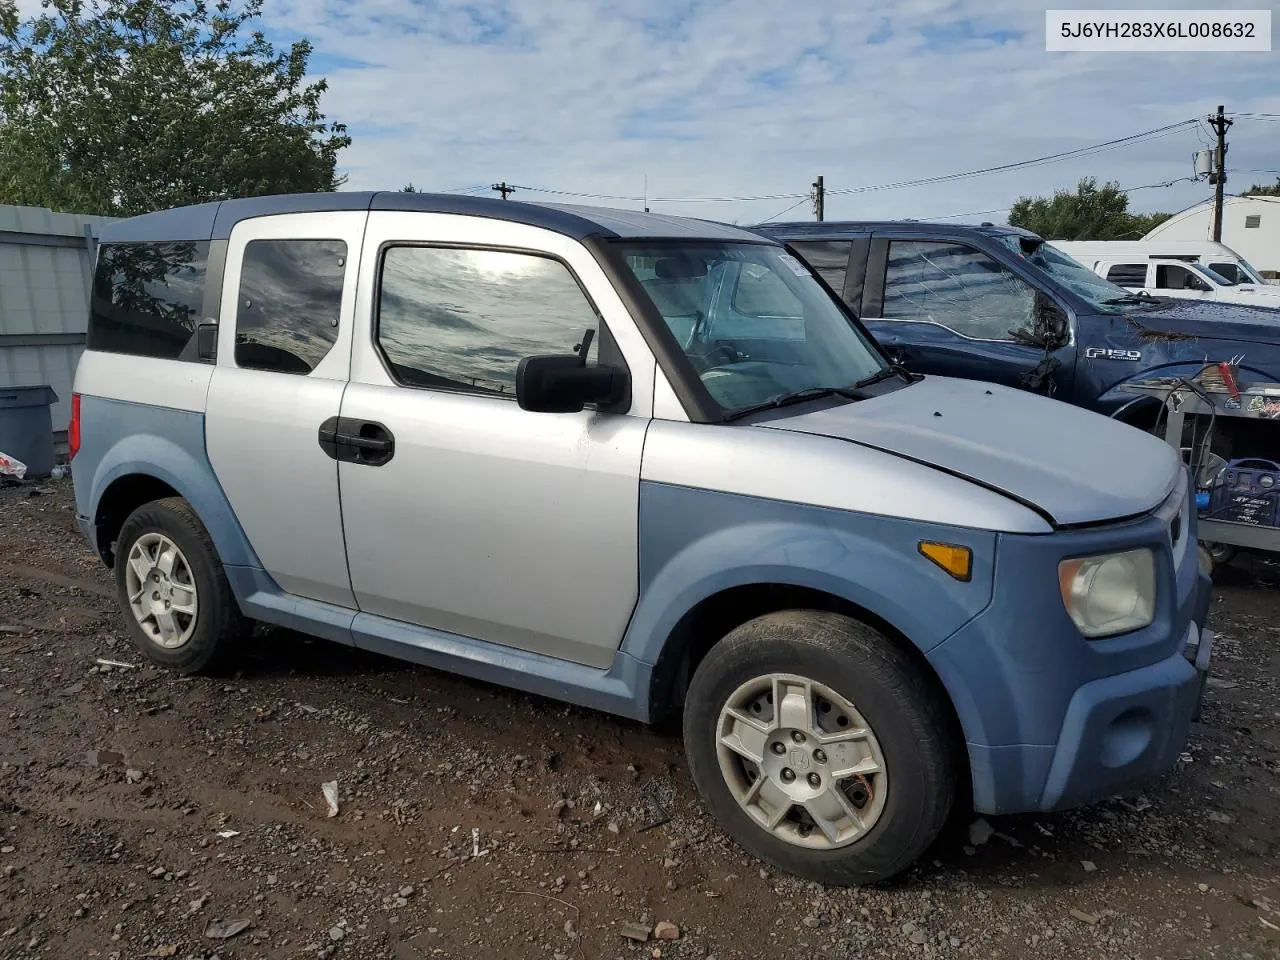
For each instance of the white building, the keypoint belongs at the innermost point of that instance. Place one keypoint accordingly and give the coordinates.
(1250, 227)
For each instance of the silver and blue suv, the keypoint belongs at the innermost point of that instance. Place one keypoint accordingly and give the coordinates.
(647, 465)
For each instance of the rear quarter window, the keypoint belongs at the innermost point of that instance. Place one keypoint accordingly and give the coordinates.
(147, 298)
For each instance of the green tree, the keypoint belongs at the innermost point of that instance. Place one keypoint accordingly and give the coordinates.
(1257, 190)
(119, 107)
(1091, 212)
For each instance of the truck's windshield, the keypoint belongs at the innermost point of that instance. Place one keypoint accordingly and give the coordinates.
(754, 323)
(1102, 295)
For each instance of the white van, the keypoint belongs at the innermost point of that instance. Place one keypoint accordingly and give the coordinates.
(1218, 257)
(1162, 277)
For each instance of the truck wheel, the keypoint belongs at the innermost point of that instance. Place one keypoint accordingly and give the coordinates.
(173, 590)
(819, 747)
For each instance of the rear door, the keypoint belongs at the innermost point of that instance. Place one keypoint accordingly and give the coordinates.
(284, 350)
(949, 308)
(1132, 275)
(475, 517)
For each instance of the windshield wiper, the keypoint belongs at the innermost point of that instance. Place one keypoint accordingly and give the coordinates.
(1130, 298)
(890, 371)
(798, 396)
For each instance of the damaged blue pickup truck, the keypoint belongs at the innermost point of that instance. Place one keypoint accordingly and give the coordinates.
(999, 304)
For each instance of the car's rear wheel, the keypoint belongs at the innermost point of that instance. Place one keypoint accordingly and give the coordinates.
(820, 747)
(173, 590)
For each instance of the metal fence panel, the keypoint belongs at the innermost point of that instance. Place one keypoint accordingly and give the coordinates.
(45, 275)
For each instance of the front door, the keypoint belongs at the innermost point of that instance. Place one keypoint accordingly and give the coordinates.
(284, 349)
(471, 515)
(953, 310)
(1178, 280)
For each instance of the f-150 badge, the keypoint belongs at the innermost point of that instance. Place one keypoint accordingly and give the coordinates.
(1106, 353)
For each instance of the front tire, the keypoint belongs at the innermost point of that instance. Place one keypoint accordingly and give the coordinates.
(172, 588)
(846, 779)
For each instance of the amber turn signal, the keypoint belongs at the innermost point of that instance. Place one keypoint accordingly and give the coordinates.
(955, 559)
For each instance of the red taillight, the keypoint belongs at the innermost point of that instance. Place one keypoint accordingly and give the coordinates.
(73, 428)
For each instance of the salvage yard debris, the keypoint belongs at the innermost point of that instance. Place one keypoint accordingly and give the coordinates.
(12, 467)
(226, 929)
(330, 791)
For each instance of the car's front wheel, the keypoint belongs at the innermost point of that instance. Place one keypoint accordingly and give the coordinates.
(173, 590)
(819, 746)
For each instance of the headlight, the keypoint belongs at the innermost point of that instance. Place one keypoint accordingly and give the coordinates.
(1109, 594)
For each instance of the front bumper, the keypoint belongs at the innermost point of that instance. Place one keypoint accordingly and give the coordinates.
(1125, 729)
(1052, 720)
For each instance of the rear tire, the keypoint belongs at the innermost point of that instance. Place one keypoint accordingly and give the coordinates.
(795, 690)
(173, 591)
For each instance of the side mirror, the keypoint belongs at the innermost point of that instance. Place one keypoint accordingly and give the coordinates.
(1052, 323)
(207, 341)
(562, 384)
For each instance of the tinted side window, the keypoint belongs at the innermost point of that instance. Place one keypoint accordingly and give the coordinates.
(1231, 271)
(830, 258)
(956, 287)
(290, 302)
(459, 319)
(1128, 274)
(147, 297)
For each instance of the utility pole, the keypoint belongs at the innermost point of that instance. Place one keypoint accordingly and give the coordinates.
(1218, 177)
(819, 199)
(503, 189)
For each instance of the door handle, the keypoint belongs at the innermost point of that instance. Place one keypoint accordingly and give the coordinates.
(376, 444)
(357, 441)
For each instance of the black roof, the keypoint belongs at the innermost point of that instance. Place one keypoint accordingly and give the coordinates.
(213, 221)
(844, 229)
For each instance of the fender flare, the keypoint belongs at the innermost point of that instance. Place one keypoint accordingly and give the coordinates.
(155, 456)
(885, 576)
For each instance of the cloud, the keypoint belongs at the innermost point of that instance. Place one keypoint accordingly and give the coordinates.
(739, 98)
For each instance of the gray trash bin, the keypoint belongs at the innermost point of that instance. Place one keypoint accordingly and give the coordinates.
(26, 429)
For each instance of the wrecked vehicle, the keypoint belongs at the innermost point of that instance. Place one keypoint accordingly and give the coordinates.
(646, 465)
(1000, 304)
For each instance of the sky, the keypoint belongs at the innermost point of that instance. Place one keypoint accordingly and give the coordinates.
(730, 98)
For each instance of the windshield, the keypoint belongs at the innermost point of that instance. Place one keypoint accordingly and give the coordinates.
(1102, 295)
(754, 323)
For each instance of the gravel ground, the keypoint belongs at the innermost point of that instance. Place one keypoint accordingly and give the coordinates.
(143, 815)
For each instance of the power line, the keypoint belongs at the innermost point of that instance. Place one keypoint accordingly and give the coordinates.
(1145, 186)
(899, 184)
(1166, 183)
(972, 213)
(804, 199)
(1001, 168)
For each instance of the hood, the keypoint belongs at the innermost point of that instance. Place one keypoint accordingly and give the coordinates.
(1073, 466)
(1210, 320)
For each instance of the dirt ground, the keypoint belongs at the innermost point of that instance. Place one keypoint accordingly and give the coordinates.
(143, 815)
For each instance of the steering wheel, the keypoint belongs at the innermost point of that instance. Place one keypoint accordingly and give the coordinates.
(720, 355)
